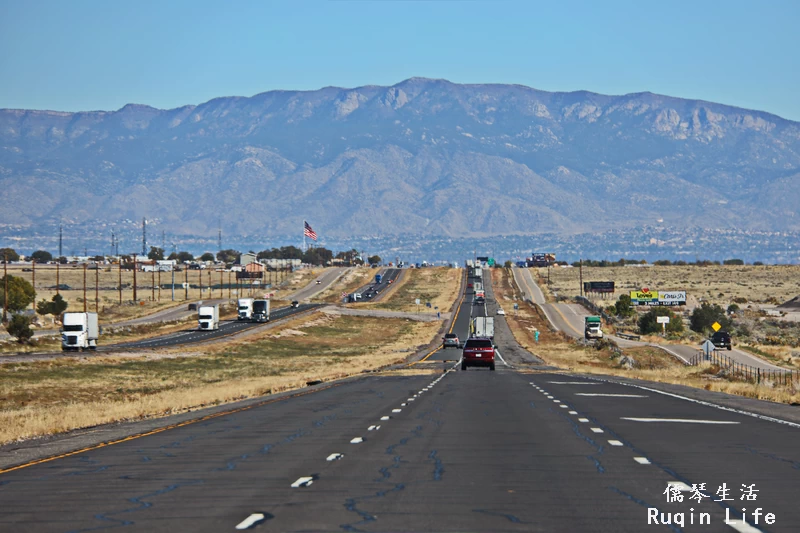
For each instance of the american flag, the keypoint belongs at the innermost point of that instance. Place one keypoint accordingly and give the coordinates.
(308, 232)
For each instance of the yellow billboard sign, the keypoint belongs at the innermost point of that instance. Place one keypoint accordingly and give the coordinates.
(644, 297)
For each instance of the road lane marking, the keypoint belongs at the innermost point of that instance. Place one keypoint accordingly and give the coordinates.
(556, 401)
(680, 485)
(573, 412)
(385, 417)
(357, 440)
(397, 410)
(642, 460)
(742, 527)
(549, 397)
(615, 443)
(573, 383)
(596, 430)
(679, 420)
(584, 420)
(610, 395)
(334, 457)
(303, 482)
(250, 521)
(403, 405)
(563, 406)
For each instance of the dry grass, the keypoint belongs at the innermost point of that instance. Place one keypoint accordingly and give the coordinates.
(348, 283)
(60, 395)
(437, 285)
(557, 349)
(715, 284)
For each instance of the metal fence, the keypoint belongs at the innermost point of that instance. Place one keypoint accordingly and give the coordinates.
(746, 372)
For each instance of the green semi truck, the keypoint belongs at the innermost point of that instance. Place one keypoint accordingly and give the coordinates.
(592, 328)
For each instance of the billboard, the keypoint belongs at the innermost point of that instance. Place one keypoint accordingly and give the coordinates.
(598, 286)
(542, 259)
(648, 297)
(644, 297)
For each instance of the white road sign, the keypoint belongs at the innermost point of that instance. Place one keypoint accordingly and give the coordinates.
(662, 319)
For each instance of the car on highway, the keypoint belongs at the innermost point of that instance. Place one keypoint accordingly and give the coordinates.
(479, 300)
(722, 339)
(295, 304)
(450, 340)
(478, 351)
(319, 282)
(469, 285)
(500, 311)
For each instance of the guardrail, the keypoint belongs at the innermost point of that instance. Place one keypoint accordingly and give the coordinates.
(629, 336)
(746, 372)
(588, 304)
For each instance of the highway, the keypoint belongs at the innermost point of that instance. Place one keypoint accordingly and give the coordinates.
(522, 448)
(374, 292)
(325, 279)
(569, 318)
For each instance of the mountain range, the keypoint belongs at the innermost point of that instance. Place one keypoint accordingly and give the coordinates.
(424, 156)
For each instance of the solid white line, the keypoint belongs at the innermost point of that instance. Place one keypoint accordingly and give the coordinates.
(615, 443)
(250, 521)
(357, 440)
(584, 420)
(501, 357)
(573, 383)
(334, 457)
(684, 420)
(642, 460)
(610, 395)
(303, 482)
(707, 404)
(573, 412)
(596, 430)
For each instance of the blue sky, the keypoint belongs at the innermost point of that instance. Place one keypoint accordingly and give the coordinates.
(87, 55)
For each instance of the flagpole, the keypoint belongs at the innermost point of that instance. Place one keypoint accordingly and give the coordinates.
(305, 249)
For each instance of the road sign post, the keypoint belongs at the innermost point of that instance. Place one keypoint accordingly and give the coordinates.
(663, 320)
(708, 349)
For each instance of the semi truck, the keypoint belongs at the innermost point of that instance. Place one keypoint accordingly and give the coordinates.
(261, 310)
(478, 272)
(378, 278)
(591, 329)
(208, 317)
(245, 309)
(482, 326)
(79, 331)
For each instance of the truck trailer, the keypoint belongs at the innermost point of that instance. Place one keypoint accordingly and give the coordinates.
(261, 310)
(208, 317)
(79, 331)
(482, 326)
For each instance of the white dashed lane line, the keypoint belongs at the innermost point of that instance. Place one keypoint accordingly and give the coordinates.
(615, 443)
(303, 482)
(679, 420)
(642, 460)
(357, 440)
(250, 521)
(596, 430)
(385, 417)
(573, 383)
(334, 457)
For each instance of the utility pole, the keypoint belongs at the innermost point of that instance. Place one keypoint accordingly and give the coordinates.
(159, 283)
(173, 283)
(581, 276)
(119, 262)
(84, 287)
(186, 282)
(60, 240)
(153, 277)
(221, 282)
(5, 287)
(33, 282)
(134, 278)
(97, 288)
(144, 236)
(58, 282)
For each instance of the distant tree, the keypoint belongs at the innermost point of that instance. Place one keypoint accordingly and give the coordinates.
(648, 322)
(208, 256)
(20, 327)
(54, 307)
(703, 317)
(317, 256)
(508, 264)
(733, 262)
(374, 260)
(663, 262)
(623, 306)
(20, 293)
(8, 254)
(155, 253)
(228, 256)
(172, 257)
(758, 263)
(42, 256)
(732, 308)
(185, 257)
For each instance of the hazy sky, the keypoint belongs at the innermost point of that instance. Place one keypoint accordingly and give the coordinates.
(86, 55)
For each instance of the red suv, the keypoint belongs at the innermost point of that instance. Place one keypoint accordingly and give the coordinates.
(478, 351)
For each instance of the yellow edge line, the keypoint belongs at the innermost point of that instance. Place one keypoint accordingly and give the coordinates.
(162, 429)
(567, 322)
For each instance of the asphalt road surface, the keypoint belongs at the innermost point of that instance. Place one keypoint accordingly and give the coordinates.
(373, 292)
(326, 279)
(518, 449)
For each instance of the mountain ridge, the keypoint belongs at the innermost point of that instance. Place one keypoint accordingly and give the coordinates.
(422, 155)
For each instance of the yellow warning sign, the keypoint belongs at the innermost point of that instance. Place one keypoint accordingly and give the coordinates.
(715, 326)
